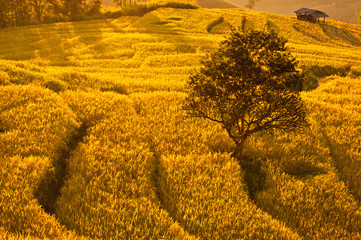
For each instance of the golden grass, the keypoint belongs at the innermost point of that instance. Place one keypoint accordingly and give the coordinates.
(109, 193)
(205, 195)
(143, 169)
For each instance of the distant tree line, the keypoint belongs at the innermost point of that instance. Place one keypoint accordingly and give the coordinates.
(125, 2)
(23, 12)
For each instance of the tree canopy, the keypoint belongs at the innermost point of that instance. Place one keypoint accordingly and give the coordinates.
(249, 84)
(125, 2)
(21, 12)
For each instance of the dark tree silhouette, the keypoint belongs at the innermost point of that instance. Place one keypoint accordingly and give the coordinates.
(123, 3)
(4, 13)
(73, 7)
(251, 4)
(94, 6)
(249, 85)
(39, 7)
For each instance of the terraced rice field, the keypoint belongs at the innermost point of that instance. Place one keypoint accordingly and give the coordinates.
(94, 143)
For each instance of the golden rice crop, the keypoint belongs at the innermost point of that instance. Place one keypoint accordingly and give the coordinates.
(144, 169)
(312, 177)
(21, 74)
(337, 111)
(205, 195)
(171, 131)
(173, 60)
(159, 39)
(20, 213)
(36, 126)
(91, 107)
(319, 207)
(19, 210)
(109, 193)
(302, 187)
(34, 122)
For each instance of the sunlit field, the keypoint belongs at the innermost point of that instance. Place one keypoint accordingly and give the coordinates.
(342, 10)
(94, 143)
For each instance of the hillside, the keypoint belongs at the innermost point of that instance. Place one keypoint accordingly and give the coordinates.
(341, 10)
(216, 4)
(94, 143)
(202, 3)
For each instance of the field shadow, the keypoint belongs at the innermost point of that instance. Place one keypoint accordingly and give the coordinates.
(50, 188)
(340, 157)
(62, 44)
(306, 33)
(167, 30)
(340, 34)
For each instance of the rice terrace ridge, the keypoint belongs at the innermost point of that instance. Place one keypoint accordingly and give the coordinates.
(95, 143)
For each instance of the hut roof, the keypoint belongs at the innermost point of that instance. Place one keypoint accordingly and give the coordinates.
(312, 12)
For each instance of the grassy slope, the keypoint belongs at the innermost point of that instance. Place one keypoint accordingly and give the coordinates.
(202, 3)
(310, 180)
(342, 10)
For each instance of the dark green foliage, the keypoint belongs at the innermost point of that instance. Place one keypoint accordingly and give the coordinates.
(94, 7)
(24, 12)
(141, 9)
(249, 85)
(73, 7)
(113, 14)
(4, 13)
(39, 7)
(15, 12)
(123, 3)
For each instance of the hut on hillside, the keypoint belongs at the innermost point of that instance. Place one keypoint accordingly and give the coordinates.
(310, 15)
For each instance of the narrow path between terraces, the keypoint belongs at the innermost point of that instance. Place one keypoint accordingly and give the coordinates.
(49, 188)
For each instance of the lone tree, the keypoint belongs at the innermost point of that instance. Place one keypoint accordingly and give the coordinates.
(249, 85)
(251, 4)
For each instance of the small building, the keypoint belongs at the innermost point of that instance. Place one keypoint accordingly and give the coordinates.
(310, 15)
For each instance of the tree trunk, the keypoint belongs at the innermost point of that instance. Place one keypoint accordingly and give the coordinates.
(238, 152)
